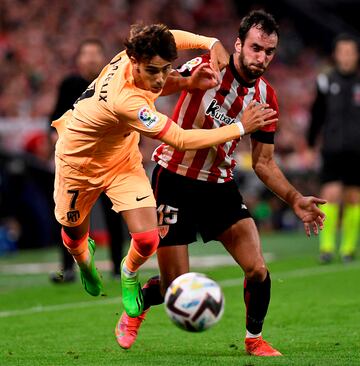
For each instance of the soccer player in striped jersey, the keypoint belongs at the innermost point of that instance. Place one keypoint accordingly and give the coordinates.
(195, 190)
(97, 150)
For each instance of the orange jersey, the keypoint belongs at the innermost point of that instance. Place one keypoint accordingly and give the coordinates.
(107, 118)
(103, 129)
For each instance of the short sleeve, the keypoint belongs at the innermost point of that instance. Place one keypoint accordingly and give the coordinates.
(267, 134)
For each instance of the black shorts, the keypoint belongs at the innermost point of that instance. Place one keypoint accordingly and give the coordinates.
(187, 206)
(342, 167)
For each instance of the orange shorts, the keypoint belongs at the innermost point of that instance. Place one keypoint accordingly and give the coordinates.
(75, 192)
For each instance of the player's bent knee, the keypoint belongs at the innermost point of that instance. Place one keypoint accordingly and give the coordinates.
(256, 273)
(146, 242)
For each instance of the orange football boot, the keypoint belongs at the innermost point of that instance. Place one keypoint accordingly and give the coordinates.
(127, 328)
(259, 347)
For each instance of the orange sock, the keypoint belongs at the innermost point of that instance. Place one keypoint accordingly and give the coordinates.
(134, 259)
(143, 246)
(77, 248)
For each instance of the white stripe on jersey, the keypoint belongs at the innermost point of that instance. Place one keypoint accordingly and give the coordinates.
(263, 93)
(247, 99)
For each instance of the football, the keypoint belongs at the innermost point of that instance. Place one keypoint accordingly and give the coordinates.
(194, 302)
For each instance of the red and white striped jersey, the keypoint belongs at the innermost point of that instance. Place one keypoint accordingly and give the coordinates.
(211, 109)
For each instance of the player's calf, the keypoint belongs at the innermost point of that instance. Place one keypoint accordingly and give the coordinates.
(143, 245)
(83, 252)
(132, 296)
(89, 275)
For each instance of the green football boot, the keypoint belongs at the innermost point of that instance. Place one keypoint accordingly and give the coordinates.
(132, 296)
(89, 275)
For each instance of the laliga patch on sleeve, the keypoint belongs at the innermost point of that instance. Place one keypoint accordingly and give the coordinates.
(147, 117)
(190, 64)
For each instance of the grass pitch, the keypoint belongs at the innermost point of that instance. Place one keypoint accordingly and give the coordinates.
(313, 319)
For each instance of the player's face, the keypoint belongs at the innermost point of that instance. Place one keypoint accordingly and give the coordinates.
(346, 56)
(90, 60)
(151, 75)
(255, 55)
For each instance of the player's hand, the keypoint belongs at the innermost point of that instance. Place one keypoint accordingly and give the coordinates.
(257, 115)
(306, 208)
(204, 78)
(219, 58)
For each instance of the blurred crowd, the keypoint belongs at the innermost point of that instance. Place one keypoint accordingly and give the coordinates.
(38, 41)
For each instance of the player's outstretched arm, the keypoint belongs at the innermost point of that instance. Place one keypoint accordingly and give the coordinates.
(135, 112)
(187, 40)
(306, 208)
(257, 117)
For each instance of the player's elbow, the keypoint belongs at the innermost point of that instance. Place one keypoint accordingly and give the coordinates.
(260, 167)
(178, 138)
(265, 168)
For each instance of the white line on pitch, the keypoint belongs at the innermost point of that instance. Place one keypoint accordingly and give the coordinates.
(297, 273)
(105, 265)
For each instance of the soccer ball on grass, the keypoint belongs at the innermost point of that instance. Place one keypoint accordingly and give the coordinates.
(194, 302)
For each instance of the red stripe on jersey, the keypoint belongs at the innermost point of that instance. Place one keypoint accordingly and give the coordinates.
(158, 151)
(272, 101)
(236, 107)
(233, 111)
(257, 91)
(179, 103)
(233, 146)
(225, 86)
(164, 130)
(197, 163)
(220, 157)
(186, 124)
(201, 155)
(214, 170)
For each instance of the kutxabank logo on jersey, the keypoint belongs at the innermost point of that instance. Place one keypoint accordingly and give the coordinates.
(147, 117)
(212, 110)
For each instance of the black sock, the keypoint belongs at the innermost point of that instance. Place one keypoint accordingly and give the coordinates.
(257, 298)
(151, 292)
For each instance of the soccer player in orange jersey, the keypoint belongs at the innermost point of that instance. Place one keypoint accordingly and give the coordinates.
(97, 150)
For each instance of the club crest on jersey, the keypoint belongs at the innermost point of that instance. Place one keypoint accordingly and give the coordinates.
(147, 117)
(190, 64)
(213, 111)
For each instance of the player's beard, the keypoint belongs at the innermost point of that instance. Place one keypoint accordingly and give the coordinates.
(250, 74)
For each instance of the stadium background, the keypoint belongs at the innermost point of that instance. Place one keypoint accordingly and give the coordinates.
(37, 49)
(314, 312)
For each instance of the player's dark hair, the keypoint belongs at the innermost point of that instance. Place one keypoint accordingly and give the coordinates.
(146, 42)
(258, 18)
(346, 37)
